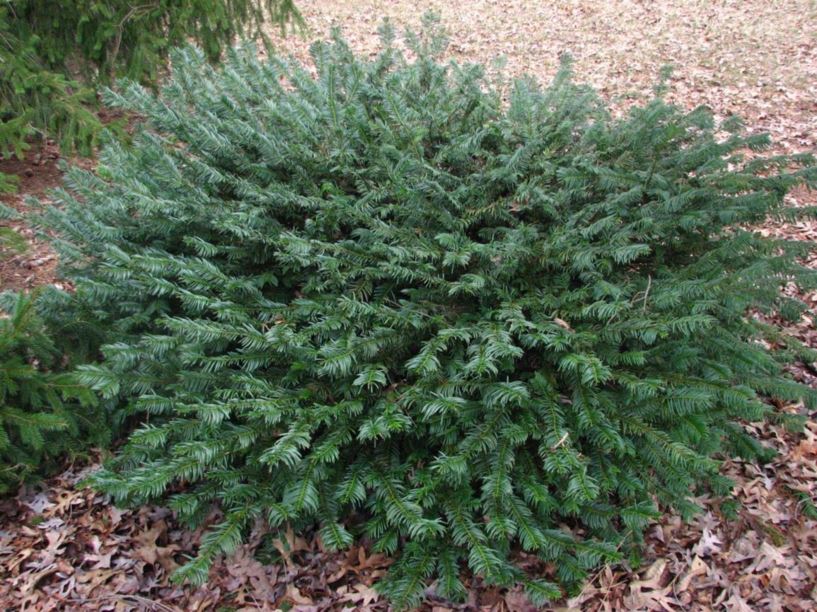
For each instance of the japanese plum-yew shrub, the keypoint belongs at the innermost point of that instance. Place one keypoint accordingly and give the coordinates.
(383, 302)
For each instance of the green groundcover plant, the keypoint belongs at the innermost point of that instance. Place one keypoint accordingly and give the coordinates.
(386, 304)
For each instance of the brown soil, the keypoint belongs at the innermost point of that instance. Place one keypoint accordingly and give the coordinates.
(37, 173)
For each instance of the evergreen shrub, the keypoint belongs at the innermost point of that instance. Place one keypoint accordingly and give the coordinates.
(54, 53)
(384, 303)
(45, 412)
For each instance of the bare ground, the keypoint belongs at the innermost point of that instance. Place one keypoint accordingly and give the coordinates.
(35, 265)
(67, 548)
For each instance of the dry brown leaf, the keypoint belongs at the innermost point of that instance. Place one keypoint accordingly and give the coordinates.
(744, 548)
(295, 596)
(563, 324)
(94, 578)
(769, 556)
(708, 545)
(145, 547)
(99, 561)
(696, 568)
(288, 544)
(361, 593)
(737, 604)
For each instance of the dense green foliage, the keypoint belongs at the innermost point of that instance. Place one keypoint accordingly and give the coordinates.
(383, 303)
(36, 96)
(45, 413)
(132, 39)
(54, 52)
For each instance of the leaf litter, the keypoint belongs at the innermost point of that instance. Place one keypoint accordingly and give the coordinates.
(66, 548)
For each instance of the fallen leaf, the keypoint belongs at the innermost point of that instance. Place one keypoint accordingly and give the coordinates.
(696, 568)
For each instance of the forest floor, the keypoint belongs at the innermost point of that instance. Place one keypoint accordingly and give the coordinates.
(64, 547)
